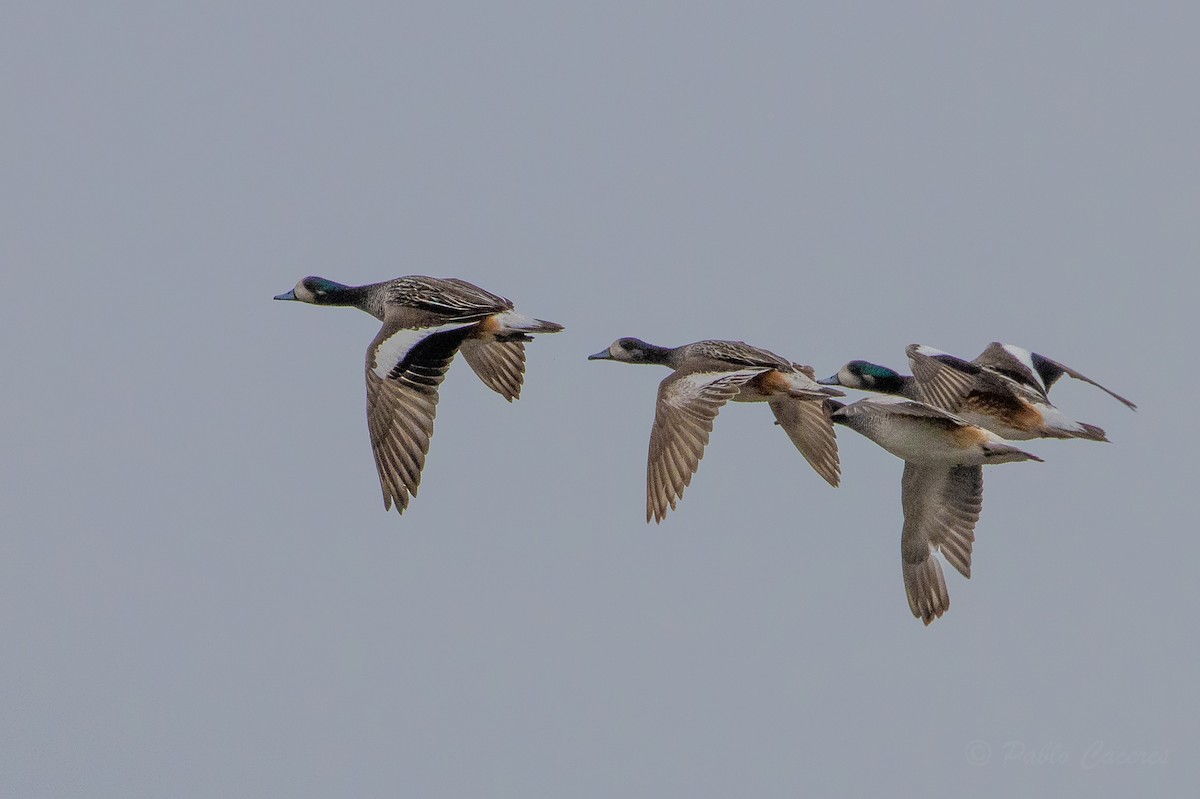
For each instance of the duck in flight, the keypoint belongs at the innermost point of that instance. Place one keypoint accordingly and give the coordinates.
(426, 321)
(1005, 390)
(706, 375)
(941, 491)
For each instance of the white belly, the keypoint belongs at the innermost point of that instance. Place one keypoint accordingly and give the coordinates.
(918, 443)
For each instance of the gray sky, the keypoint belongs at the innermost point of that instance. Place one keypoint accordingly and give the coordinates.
(200, 592)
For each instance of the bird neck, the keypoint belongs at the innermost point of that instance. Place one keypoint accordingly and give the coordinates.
(898, 385)
(665, 356)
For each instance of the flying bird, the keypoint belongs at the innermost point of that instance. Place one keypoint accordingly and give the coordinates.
(706, 375)
(1005, 390)
(426, 320)
(941, 491)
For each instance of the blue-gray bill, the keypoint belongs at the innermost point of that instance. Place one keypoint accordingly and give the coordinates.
(287, 295)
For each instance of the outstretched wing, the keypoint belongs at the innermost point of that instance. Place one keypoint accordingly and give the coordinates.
(1046, 367)
(499, 364)
(405, 366)
(1031, 368)
(946, 381)
(941, 506)
(810, 427)
(687, 405)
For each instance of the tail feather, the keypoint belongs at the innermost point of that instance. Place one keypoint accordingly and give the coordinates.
(518, 322)
(1090, 432)
(998, 451)
(1058, 425)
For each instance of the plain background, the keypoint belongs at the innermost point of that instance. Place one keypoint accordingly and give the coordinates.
(200, 592)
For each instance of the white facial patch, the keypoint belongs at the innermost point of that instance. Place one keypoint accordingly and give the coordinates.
(302, 293)
(393, 349)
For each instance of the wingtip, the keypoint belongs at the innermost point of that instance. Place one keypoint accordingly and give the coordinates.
(925, 586)
(932, 614)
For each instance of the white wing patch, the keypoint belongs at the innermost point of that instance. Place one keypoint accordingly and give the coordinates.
(691, 387)
(930, 351)
(393, 349)
(1025, 358)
